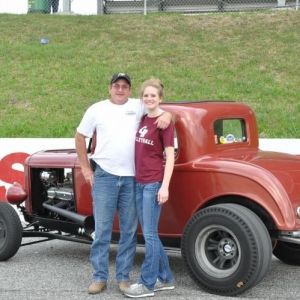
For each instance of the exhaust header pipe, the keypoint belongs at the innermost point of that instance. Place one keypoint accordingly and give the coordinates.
(87, 222)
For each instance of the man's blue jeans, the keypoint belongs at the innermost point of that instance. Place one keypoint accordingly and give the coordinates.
(156, 263)
(111, 193)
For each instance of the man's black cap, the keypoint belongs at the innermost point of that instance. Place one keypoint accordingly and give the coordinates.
(120, 75)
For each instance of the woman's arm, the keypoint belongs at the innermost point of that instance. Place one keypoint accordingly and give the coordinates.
(163, 193)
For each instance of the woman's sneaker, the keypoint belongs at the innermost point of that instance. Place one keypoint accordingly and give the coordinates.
(160, 286)
(138, 291)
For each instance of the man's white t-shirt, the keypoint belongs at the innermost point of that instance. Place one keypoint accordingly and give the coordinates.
(116, 126)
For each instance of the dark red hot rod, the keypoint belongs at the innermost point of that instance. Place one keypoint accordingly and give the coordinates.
(231, 205)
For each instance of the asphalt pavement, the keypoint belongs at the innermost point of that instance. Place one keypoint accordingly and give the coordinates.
(61, 270)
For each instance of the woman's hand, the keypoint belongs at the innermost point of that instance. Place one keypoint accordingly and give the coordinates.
(163, 195)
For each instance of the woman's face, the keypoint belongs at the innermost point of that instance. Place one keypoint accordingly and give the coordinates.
(150, 98)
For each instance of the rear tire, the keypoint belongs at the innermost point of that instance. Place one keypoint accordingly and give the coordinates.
(226, 249)
(288, 253)
(10, 231)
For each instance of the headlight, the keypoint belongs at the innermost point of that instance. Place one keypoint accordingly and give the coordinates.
(298, 212)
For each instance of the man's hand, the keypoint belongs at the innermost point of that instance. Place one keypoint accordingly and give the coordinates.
(83, 158)
(88, 175)
(164, 120)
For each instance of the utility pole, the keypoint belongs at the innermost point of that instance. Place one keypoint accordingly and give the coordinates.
(66, 5)
(99, 7)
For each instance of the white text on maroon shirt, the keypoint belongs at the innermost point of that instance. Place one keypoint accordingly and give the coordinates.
(143, 140)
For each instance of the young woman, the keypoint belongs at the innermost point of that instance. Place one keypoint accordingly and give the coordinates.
(152, 147)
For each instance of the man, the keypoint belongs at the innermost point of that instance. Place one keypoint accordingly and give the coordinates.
(113, 185)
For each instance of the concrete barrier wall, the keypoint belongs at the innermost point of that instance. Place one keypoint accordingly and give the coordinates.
(14, 6)
(83, 7)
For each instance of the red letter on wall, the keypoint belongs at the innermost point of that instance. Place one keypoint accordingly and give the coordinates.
(8, 174)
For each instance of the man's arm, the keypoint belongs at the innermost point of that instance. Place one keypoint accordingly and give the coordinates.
(164, 120)
(80, 145)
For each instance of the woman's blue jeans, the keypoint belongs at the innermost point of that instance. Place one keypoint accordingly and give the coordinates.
(156, 263)
(110, 194)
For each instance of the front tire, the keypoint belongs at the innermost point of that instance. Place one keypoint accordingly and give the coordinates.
(10, 231)
(226, 249)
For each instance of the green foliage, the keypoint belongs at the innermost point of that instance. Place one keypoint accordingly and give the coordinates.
(245, 57)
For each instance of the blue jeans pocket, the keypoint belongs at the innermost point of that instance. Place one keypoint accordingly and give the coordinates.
(98, 171)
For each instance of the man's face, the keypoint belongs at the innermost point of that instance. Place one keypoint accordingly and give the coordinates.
(119, 91)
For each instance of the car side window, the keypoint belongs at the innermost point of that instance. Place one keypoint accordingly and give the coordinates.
(175, 141)
(229, 131)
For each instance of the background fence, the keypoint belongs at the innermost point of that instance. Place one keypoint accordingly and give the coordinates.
(142, 6)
